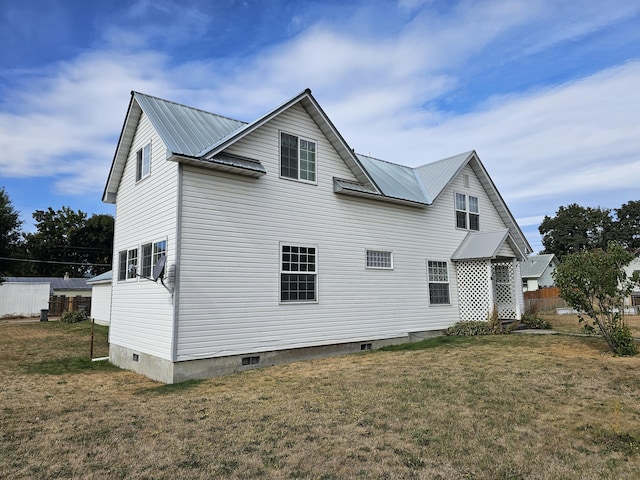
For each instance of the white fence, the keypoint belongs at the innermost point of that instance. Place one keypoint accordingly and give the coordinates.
(23, 299)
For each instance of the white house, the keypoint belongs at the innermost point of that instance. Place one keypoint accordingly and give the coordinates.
(101, 298)
(630, 269)
(279, 242)
(537, 271)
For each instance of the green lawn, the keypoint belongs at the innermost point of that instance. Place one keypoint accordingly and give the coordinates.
(503, 407)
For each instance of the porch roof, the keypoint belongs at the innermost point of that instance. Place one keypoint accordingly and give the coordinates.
(486, 245)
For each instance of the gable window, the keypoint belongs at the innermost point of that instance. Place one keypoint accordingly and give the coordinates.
(298, 274)
(143, 162)
(467, 212)
(127, 264)
(151, 252)
(438, 275)
(379, 259)
(297, 158)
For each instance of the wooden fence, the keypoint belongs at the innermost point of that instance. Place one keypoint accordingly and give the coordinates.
(545, 300)
(60, 304)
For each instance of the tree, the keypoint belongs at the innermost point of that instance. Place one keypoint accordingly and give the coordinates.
(627, 225)
(576, 228)
(594, 283)
(52, 244)
(95, 238)
(10, 233)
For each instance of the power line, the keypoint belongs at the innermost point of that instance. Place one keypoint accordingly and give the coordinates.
(56, 262)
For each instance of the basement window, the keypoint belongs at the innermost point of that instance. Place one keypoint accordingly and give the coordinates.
(255, 360)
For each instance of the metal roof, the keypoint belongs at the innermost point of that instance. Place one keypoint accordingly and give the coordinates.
(185, 130)
(437, 175)
(105, 277)
(395, 181)
(535, 265)
(56, 283)
(482, 246)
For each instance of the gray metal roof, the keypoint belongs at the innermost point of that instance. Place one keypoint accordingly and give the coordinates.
(437, 175)
(395, 181)
(479, 246)
(185, 130)
(535, 265)
(105, 277)
(56, 283)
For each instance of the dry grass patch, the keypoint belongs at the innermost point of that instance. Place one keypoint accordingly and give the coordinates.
(571, 324)
(534, 407)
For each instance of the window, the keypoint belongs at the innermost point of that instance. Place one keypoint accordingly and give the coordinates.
(379, 259)
(298, 274)
(297, 158)
(143, 163)
(127, 264)
(438, 275)
(467, 212)
(151, 252)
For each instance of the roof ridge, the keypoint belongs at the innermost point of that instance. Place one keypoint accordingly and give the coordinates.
(385, 161)
(466, 154)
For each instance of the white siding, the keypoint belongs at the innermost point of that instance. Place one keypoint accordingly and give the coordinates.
(101, 303)
(23, 299)
(141, 310)
(229, 260)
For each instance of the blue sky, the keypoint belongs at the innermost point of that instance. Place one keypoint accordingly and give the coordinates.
(546, 91)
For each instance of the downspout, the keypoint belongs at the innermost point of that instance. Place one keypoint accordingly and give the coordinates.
(176, 284)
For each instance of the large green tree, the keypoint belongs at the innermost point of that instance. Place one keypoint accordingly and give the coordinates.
(627, 225)
(95, 239)
(10, 235)
(576, 228)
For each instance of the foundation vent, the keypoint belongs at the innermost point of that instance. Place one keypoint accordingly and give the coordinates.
(251, 360)
(365, 346)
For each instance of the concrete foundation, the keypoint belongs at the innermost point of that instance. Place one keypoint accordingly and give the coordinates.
(165, 371)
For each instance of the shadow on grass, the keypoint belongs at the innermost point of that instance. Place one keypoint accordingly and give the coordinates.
(61, 366)
(430, 343)
(163, 389)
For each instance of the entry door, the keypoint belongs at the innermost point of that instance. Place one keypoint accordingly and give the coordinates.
(503, 289)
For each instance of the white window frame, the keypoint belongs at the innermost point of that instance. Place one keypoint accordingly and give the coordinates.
(438, 281)
(299, 160)
(376, 259)
(289, 267)
(131, 256)
(148, 262)
(143, 162)
(463, 205)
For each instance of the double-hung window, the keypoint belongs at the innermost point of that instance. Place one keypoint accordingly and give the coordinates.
(438, 275)
(127, 264)
(143, 162)
(151, 253)
(379, 259)
(297, 158)
(467, 212)
(298, 274)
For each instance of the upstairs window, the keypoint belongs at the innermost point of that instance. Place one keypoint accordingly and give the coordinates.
(143, 162)
(298, 274)
(297, 158)
(467, 212)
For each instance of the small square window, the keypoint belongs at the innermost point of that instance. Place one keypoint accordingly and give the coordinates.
(379, 259)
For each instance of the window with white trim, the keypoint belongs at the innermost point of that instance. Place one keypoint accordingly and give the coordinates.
(438, 275)
(467, 212)
(298, 274)
(127, 264)
(143, 162)
(379, 259)
(151, 252)
(297, 158)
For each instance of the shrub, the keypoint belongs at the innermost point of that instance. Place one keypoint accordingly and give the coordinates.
(469, 328)
(74, 316)
(530, 319)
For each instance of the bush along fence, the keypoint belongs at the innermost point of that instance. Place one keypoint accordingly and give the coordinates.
(60, 304)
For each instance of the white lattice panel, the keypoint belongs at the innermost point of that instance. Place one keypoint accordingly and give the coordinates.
(473, 290)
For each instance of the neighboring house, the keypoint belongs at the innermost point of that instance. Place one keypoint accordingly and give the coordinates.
(279, 242)
(537, 272)
(20, 299)
(65, 293)
(632, 267)
(101, 298)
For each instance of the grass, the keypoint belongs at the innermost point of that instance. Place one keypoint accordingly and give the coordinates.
(570, 323)
(503, 407)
